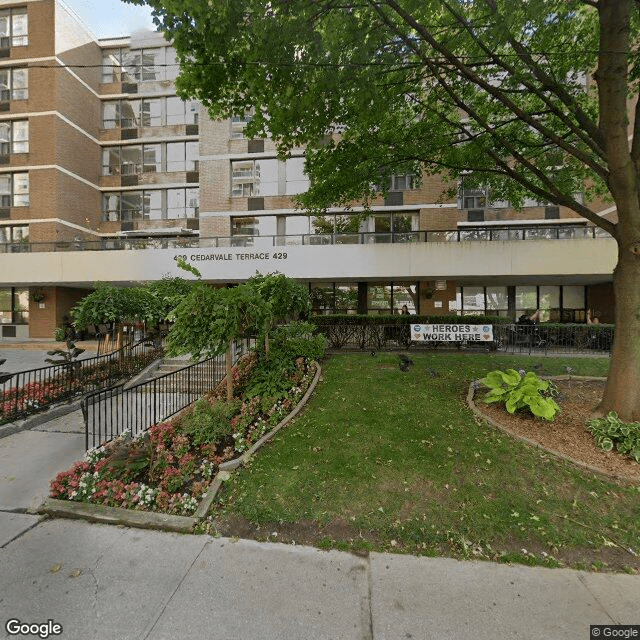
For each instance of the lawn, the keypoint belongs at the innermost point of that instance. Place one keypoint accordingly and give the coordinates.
(388, 460)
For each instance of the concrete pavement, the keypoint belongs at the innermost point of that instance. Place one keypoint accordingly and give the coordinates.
(103, 582)
(115, 583)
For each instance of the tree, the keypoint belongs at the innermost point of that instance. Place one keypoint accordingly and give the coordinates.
(208, 319)
(532, 97)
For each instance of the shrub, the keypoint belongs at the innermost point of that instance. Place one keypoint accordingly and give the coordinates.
(530, 393)
(610, 431)
(209, 423)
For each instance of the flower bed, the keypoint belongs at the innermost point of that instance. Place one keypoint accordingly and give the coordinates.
(20, 402)
(170, 467)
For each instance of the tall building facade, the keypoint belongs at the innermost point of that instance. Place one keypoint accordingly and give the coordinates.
(107, 175)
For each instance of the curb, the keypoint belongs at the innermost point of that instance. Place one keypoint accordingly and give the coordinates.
(166, 522)
(537, 445)
(115, 515)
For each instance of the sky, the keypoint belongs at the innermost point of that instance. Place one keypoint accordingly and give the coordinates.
(109, 18)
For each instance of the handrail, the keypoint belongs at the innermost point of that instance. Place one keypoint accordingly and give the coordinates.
(463, 234)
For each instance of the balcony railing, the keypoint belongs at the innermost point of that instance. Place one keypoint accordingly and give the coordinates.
(494, 234)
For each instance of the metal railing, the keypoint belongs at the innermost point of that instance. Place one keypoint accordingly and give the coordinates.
(110, 412)
(534, 232)
(33, 390)
(544, 339)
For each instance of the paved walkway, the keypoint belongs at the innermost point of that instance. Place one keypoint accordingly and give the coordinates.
(115, 583)
(21, 356)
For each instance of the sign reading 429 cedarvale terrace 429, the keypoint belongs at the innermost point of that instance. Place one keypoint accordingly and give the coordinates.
(451, 332)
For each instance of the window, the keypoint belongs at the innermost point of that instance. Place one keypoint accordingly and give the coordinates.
(13, 27)
(334, 297)
(148, 112)
(14, 137)
(14, 84)
(14, 234)
(136, 159)
(151, 204)
(14, 190)
(401, 182)
(551, 212)
(389, 297)
(238, 123)
(475, 215)
(268, 177)
(14, 305)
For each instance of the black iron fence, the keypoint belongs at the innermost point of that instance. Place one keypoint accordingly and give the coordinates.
(110, 412)
(509, 338)
(31, 391)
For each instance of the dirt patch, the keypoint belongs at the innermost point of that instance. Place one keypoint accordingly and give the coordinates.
(567, 434)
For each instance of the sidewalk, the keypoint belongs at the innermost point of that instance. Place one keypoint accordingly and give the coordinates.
(116, 583)
(21, 356)
(102, 582)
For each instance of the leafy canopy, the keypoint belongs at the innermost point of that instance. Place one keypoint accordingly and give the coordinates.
(491, 86)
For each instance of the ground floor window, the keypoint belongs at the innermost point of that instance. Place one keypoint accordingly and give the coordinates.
(334, 297)
(557, 303)
(364, 297)
(14, 305)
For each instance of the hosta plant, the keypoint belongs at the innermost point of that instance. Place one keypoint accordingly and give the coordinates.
(610, 431)
(517, 392)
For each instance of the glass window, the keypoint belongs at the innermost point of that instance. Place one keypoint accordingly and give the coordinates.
(497, 301)
(379, 298)
(322, 297)
(19, 84)
(297, 225)
(111, 65)
(473, 299)
(549, 303)
(19, 27)
(13, 27)
(152, 158)
(238, 124)
(526, 300)
(175, 111)
(5, 190)
(404, 293)
(110, 161)
(110, 115)
(20, 189)
(129, 114)
(266, 172)
(175, 156)
(243, 180)
(131, 205)
(171, 61)
(20, 136)
(192, 154)
(244, 226)
(573, 297)
(5, 138)
(13, 84)
(150, 60)
(131, 63)
(176, 203)
(151, 112)
(193, 202)
(152, 203)
(401, 182)
(111, 206)
(297, 181)
(131, 159)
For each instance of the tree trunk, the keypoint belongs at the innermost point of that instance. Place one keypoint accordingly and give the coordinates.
(229, 367)
(622, 391)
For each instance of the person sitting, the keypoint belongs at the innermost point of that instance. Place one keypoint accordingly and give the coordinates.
(592, 319)
(405, 310)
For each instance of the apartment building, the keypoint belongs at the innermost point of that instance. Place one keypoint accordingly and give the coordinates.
(106, 175)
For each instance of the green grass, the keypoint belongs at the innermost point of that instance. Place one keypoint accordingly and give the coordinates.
(400, 463)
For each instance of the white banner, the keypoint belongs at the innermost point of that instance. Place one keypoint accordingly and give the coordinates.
(451, 332)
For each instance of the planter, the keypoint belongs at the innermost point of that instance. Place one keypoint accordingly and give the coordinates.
(163, 521)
